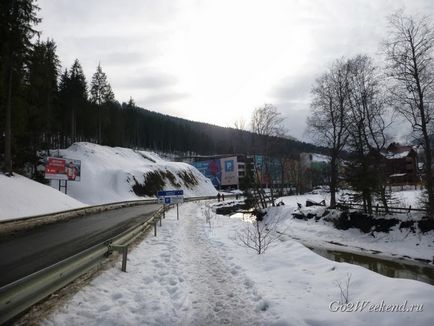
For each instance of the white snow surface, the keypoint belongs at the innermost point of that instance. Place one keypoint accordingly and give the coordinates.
(20, 197)
(195, 273)
(107, 173)
(319, 234)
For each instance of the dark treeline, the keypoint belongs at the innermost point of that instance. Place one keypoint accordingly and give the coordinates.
(46, 107)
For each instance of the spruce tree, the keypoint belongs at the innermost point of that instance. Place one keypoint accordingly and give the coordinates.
(73, 98)
(101, 94)
(17, 21)
(41, 84)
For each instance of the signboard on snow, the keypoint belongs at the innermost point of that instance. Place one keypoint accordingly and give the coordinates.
(63, 169)
(170, 197)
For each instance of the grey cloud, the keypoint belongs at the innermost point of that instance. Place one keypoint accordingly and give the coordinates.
(294, 88)
(161, 98)
(148, 80)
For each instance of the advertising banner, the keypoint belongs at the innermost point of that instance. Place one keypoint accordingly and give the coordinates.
(63, 169)
(229, 167)
(211, 169)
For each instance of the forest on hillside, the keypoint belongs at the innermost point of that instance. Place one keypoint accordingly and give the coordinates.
(44, 106)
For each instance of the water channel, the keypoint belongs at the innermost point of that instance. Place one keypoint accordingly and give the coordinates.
(392, 268)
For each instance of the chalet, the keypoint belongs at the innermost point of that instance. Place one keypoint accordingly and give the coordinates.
(401, 164)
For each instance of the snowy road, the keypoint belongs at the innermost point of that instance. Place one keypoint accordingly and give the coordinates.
(26, 252)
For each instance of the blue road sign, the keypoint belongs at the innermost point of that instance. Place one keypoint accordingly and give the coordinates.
(168, 193)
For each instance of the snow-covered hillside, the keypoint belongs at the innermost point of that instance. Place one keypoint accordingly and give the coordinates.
(20, 197)
(111, 174)
(107, 175)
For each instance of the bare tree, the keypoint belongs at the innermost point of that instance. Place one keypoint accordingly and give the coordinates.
(259, 235)
(329, 116)
(267, 122)
(410, 66)
(367, 129)
(240, 124)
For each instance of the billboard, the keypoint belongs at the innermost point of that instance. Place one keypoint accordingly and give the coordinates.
(211, 169)
(63, 169)
(229, 167)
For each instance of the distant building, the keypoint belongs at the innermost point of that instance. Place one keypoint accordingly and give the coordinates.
(401, 165)
(224, 171)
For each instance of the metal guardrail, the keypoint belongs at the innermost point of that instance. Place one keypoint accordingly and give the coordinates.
(17, 297)
(20, 295)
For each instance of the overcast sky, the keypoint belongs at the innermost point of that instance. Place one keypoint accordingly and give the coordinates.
(216, 60)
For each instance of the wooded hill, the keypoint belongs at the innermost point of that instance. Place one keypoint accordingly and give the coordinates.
(43, 108)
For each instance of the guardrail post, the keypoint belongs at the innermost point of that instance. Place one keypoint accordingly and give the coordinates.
(124, 250)
(155, 227)
(160, 220)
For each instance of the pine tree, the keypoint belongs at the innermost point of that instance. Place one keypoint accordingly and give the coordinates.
(73, 97)
(17, 18)
(101, 94)
(41, 84)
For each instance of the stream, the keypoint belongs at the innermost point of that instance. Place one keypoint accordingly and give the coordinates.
(396, 268)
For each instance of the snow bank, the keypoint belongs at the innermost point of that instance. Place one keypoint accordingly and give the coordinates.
(400, 242)
(20, 197)
(108, 174)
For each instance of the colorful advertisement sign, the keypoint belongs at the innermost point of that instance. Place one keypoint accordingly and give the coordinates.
(211, 169)
(229, 167)
(63, 169)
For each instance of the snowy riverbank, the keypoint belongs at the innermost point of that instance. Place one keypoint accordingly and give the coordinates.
(396, 243)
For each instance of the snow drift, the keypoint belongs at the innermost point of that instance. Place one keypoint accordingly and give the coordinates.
(111, 174)
(20, 196)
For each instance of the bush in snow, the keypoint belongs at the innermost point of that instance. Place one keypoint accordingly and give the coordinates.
(259, 234)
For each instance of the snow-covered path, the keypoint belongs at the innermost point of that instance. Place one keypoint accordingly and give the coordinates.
(219, 295)
(179, 277)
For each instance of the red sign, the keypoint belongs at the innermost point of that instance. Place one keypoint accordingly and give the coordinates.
(63, 169)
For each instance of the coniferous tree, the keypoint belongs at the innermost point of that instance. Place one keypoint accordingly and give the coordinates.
(17, 20)
(73, 98)
(101, 94)
(41, 84)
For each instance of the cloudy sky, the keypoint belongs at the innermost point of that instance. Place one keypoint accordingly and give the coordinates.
(216, 60)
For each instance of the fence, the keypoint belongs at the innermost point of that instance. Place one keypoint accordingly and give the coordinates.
(381, 209)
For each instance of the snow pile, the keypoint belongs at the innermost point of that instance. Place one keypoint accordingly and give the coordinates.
(20, 197)
(401, 242)
(194, 273)
(109, 174)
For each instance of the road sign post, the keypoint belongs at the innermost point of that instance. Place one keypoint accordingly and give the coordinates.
(171, 197)
(177, 212)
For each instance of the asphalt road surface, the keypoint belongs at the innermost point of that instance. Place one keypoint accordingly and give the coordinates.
(27, 252)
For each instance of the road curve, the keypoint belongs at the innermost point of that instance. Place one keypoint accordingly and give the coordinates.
(27, 252)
